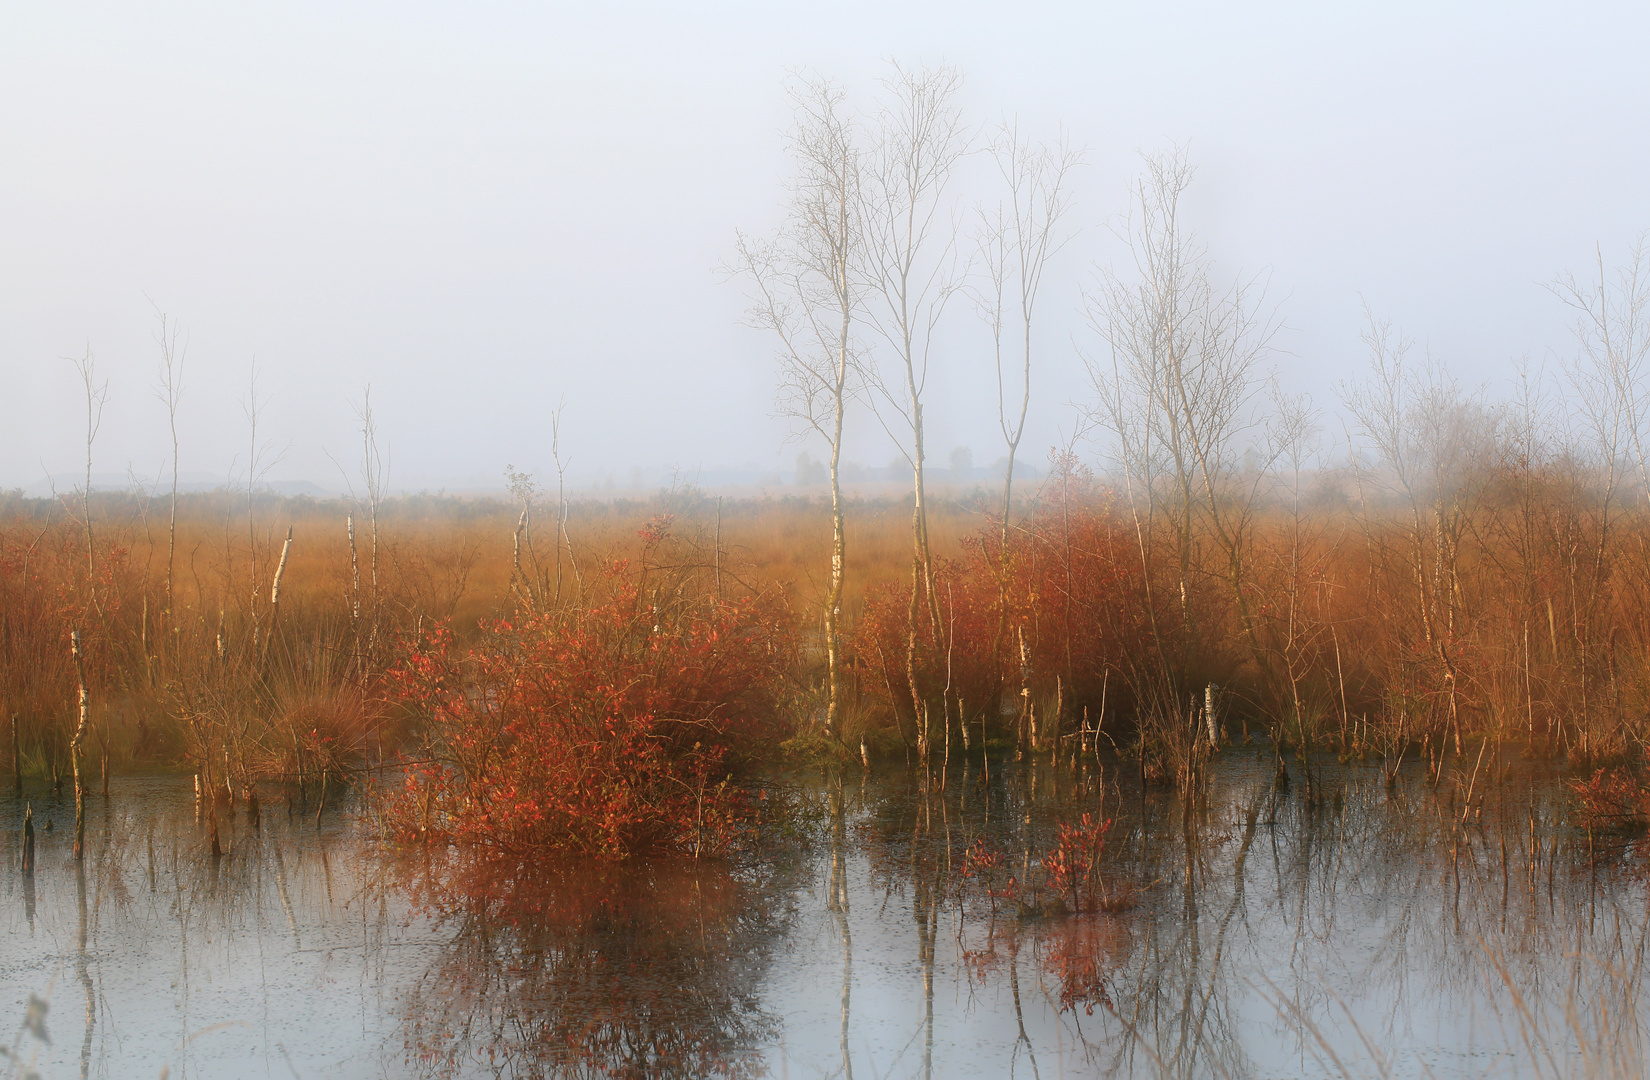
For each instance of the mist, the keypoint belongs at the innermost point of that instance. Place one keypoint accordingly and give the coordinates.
(489, 212)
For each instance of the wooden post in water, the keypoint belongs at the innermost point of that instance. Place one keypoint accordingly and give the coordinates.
(75, 746)
(28, 840)
(16, 759)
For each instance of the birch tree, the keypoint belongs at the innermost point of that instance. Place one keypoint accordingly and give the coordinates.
(805, 289)
(912, 272)
(170, 392)
(1178, 389)
(1017, 239)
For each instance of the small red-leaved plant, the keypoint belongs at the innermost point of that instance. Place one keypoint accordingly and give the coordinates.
(1073, 866)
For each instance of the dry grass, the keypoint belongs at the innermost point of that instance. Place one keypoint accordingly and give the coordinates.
(160, 676)
(1516, 613)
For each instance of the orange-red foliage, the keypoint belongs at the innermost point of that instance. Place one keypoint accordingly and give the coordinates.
(1612, 797)
(1068, 587)
(607, 729)
(1073, 867)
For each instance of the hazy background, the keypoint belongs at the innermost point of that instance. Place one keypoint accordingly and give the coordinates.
(484, 210)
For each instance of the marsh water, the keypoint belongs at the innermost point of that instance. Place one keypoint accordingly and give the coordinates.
(1342, 927)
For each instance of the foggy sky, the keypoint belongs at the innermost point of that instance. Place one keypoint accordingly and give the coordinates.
(486, 210)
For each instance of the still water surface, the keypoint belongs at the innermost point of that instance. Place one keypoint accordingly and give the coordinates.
(1361, 931)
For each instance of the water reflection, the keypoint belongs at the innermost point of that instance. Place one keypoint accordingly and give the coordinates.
(1366, 931)
(152, 955)
(615, 971)
(913, 930)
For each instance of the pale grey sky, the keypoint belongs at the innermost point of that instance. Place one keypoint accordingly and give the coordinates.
(485, 209)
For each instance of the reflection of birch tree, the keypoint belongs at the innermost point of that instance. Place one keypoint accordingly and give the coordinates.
(837, 905)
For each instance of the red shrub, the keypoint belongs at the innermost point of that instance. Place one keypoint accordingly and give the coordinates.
(610, 730)
(1612, 797)
(1073, 867)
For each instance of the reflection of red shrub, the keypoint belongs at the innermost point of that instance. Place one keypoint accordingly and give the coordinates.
(608, 730)
(635, 970)
(1081, 954)
(981, 863)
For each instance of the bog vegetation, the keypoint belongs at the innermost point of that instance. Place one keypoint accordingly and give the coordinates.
(1451, 574)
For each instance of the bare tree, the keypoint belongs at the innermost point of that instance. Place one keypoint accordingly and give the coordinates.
(1017, 239)
(97, 396)
(258, 463)
(374, 475)
(1612, 373)
(1179, 388)
(1432, 442)
(170, 392)
(912, 271)
(806, 290)
(523, 582)
(1611, 378)
(563, 539)
(1294, 628)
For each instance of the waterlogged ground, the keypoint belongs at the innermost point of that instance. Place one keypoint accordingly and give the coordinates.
(1337, 928)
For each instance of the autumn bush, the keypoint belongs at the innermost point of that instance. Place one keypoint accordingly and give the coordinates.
(612, 727)
(1612, 797)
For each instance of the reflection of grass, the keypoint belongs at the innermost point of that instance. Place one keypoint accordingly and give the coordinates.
(1601, 1036)
(1258, 882)
(31, 1033)
(23, 1055)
